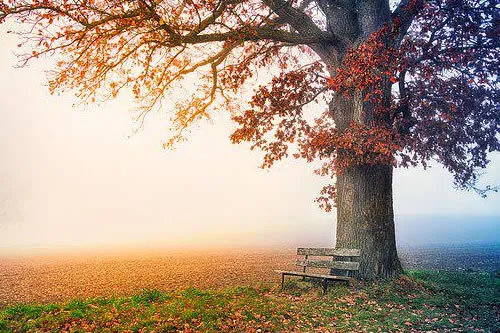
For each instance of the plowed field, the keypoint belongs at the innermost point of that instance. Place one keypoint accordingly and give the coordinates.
(58, 278)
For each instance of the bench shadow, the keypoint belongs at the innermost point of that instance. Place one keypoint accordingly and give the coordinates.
(314, 287)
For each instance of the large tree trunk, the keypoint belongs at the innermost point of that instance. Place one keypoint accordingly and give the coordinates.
(365, 219)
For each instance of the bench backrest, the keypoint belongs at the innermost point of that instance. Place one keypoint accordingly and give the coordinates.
(342, 259)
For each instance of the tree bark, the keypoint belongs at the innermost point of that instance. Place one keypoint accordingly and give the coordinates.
(365, 217)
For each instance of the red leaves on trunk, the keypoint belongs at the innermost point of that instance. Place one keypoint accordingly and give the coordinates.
(444, 104)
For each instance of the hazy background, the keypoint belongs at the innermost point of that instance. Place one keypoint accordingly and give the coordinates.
(80, 177)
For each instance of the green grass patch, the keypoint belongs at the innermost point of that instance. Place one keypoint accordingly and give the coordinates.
(417, 301)
(150, 296)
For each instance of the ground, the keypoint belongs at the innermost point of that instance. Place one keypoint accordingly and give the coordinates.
(420, 301)
(55, 278)
(237, 291)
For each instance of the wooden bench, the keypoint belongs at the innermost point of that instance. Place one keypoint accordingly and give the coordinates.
(341, 262)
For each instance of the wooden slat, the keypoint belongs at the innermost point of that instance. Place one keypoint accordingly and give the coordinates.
(326, 251)
(321, 276)
(347, 265)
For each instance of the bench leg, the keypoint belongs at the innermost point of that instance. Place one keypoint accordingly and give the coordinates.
(325, 285)
(282, 281)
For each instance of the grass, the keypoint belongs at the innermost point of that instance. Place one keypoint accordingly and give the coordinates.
(417, 301)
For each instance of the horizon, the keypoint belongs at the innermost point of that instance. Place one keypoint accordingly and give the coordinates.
(412, 231)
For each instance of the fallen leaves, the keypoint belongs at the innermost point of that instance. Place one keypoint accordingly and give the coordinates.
(407, 304)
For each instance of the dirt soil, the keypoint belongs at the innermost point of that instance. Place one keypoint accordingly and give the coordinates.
(53, 278)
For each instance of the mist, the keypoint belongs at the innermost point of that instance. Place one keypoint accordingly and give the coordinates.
(75, 177)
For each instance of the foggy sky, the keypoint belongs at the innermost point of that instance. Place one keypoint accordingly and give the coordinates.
(80, 176)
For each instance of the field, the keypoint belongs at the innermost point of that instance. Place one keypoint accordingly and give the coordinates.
(237, 291)
(53, 278)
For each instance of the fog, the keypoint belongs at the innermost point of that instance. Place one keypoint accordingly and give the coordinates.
(82, 177)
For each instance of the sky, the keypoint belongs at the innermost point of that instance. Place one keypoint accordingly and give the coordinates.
(81, 176)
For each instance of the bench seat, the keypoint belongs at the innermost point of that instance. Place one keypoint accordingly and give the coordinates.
(319, 276)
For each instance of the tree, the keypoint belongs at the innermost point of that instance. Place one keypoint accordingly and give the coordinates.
(405, 83)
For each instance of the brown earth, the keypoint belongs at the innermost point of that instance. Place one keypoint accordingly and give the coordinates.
(53, 278)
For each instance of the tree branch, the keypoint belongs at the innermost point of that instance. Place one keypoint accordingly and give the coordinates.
(341, 17)
(328, 44)
(296, 18)
(405, 13)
